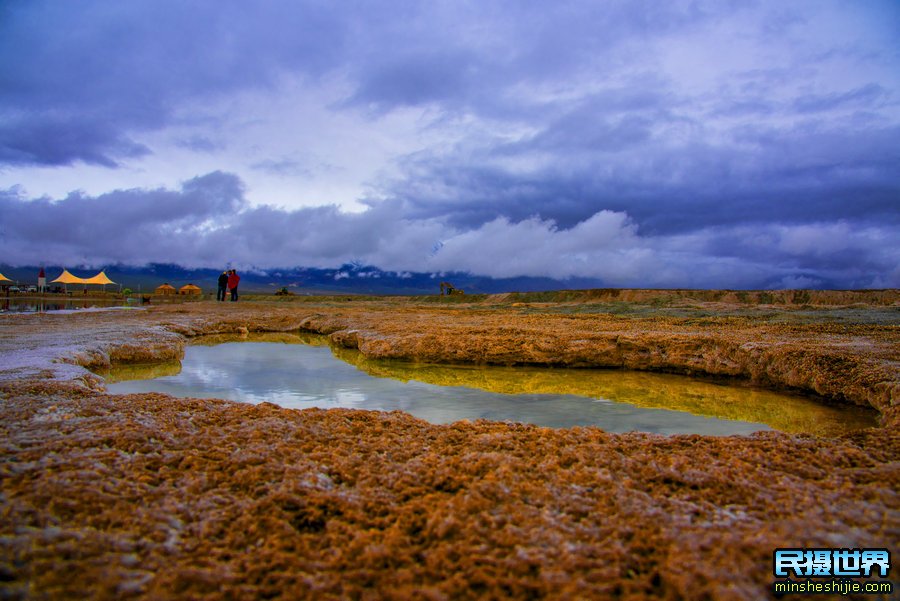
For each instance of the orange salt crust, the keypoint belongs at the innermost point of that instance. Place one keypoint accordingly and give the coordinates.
(152, 497)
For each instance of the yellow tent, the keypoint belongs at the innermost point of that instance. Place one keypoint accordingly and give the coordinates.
(3, 278)
(165, 289)
(68, 278)
(100, 278)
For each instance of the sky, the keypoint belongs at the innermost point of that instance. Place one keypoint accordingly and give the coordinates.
(704, 144)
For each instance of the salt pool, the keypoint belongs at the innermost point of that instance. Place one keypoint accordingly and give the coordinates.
(302, 371)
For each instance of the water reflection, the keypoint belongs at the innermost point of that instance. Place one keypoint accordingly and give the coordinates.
(43, 305)
(300, 371)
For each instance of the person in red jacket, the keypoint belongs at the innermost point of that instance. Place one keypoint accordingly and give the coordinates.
(233, 280)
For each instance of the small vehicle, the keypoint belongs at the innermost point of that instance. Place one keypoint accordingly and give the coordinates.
(450, 289)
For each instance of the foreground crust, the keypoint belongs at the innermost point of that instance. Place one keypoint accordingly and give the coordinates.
(146, 496)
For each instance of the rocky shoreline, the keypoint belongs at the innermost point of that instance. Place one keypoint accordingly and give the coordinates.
(146, 496)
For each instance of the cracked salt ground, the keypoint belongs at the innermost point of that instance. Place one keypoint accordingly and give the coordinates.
(301, 376)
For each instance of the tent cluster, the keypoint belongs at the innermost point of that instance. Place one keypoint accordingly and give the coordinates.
(67, 278)
(188, 289)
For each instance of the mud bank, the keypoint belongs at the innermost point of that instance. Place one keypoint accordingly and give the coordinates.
(146, 496)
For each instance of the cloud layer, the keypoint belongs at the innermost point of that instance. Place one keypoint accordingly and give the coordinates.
(701, 143)
(208, 223)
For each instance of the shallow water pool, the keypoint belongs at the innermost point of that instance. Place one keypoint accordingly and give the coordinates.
(302, 371)
(44, 305)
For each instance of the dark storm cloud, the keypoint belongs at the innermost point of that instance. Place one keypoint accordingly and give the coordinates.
(90, 75)
(207, 223)
(674, 162)
(55, 141)
(486, 59)
(66, 67)
(120, 226)
(583, 164)
(204, 223)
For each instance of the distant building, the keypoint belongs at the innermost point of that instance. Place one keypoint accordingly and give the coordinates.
(165, 289)
(190, 289)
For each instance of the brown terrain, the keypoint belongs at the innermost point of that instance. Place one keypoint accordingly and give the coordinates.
(152, 497)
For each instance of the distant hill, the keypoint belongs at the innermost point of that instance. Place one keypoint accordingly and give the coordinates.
(346, 279)
(351, 279)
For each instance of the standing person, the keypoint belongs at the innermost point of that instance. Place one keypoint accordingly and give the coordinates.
(233, 281)
(223, 284)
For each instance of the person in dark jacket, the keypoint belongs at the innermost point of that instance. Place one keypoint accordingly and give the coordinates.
(233, 281)
(223, 285)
